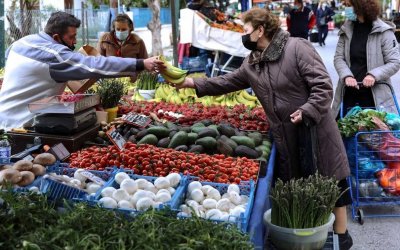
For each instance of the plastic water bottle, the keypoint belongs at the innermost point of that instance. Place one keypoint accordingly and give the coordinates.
(5, 150)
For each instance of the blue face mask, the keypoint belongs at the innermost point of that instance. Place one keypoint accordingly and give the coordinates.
(295, 7)
(349, 14)
(122, 35)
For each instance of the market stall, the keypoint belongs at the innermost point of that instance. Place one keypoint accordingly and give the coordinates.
(196, 31)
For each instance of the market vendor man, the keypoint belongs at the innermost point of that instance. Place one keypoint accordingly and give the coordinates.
(39, 66)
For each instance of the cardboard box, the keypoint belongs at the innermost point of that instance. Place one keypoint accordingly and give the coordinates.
(83, 85)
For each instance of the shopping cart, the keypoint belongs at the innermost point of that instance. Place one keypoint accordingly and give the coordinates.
(374, 159)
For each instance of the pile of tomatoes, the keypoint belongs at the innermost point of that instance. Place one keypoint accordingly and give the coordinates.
(239, 116)
(152, 161)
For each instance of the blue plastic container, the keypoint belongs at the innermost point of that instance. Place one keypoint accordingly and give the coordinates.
(246, 188)
(173, 204)
(55, 190)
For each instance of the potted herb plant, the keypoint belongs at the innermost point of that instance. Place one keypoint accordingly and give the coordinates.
(110, 92)
(146, 84)
(301, 212)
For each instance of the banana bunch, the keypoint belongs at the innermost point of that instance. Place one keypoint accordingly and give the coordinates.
(171, 73)
(243, 97)
(137, 97)
(163, 91)
(174, 98)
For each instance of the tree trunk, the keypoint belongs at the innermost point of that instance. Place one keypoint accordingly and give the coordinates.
(155, 27)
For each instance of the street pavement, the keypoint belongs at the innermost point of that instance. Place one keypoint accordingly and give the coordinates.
(376, 233)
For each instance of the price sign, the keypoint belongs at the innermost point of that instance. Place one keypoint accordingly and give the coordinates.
(116, 138)
(138, 120)
(92, 177)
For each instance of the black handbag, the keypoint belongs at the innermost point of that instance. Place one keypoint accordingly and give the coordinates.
(313, 37)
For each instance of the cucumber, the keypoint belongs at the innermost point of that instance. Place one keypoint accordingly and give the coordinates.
(159, 131)
(148, 139)
(244, 140)
(178, 139)
(207, 142)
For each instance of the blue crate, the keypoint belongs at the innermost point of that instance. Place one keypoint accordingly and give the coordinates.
(246, 188)
(173, 204)
(55, 190)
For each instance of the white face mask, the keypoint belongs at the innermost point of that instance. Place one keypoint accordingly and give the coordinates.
(122, 35)
(324, 5)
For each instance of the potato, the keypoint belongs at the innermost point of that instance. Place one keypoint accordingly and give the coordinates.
(5, 167)
(10, 175)
(38, 170)
(45, 159)
(27, 178)
(23, 165)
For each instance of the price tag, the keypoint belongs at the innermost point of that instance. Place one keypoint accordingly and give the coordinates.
(92, 177)
(116, 138)
(138, 120)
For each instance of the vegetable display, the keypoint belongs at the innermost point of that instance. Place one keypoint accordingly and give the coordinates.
(207, 202)
(202, 137)
(139, 194)
(303, 203)
(361, 121)
(110, 92)
(147, 81)
(23, 172)
(239, 116)
(30, 222)
(153, 161)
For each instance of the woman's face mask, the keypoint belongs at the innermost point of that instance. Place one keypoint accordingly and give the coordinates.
(248, 43)
(122, 35)
(349, 13)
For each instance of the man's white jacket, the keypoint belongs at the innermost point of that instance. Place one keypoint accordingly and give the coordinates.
(37, 67)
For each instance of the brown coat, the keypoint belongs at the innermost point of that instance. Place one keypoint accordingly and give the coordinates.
(287, 76)
(133, 47)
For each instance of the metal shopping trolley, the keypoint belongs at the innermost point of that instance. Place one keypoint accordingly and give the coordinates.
(374, 159)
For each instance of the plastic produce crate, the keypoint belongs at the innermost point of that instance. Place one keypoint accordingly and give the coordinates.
(246, 188)
(173, 204)
(56, 190)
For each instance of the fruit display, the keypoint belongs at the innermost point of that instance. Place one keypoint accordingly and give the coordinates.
(222, 22)
(239, 116)
(168, 93)
(171, 73)
(202, 137)
(150, 160)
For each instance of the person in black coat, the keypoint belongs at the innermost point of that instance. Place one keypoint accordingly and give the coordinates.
(324, 15)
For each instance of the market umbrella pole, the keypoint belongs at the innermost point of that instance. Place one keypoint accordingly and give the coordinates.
(174, 18)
